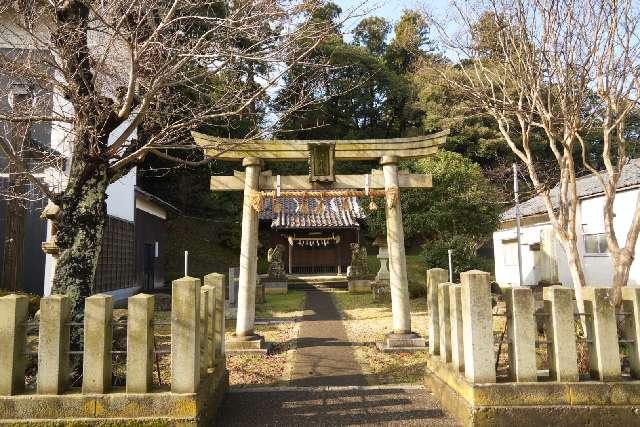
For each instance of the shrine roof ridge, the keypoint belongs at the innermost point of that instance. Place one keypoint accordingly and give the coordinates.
(298, 150)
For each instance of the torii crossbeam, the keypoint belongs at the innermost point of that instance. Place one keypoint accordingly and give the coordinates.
(321, 155)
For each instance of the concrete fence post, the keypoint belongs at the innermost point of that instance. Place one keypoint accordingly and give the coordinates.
(53, 344)
(14, 310)
(477, 325)
(602, 333)
(631, 326)
(98, 335)
(455, 313)
(521, 326)
(561, 333)
(204, 330)
(217, 281)
(435, 276)
(185, 335)
(444, 322)
(140, 347)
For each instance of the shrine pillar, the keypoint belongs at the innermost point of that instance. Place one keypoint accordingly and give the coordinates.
(401, 339)
(248, 252)
(395, 243)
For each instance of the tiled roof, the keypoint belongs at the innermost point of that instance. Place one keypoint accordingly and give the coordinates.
(334, 215)
(586, 186)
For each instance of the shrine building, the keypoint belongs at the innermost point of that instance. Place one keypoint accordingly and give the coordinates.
(316, 232)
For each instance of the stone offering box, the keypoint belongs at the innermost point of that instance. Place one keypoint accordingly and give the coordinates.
(359, 286)
(199, 378)
(461, 369)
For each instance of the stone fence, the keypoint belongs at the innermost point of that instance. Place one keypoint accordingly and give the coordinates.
(463, 356)
(198, 374)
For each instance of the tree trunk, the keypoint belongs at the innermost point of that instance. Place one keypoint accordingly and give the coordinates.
(622, 260)
(80, 227)
(577, 276)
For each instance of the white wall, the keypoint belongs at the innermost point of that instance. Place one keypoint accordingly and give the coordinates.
(121, 197)
(530, 235)
(597, 267)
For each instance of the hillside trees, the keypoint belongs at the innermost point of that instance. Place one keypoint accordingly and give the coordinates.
(364, 91)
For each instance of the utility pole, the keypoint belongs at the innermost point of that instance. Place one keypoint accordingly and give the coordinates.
(517, 200)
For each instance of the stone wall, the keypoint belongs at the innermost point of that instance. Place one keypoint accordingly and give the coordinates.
(198, 375)
(463, 354)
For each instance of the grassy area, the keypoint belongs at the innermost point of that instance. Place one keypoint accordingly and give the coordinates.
(367, 322)
(288, 305)
(201, 238)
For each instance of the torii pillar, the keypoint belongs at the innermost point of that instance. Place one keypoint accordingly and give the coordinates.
(402, 338)
(245, 338)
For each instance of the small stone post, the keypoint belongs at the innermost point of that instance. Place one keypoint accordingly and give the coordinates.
(14, 310)
(631, 326)
(217, 281)
(602, 332)
(521, 326)
(455, 313)
(477, 326)
(435, 276)
(96, 360)
(211, 326)
(185, 335)
(53, 344)
(204, 330)
(140, 343)
(561, 333)
(444, 320)
(248, 251)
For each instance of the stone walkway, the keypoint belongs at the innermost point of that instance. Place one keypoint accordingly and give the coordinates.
(327, 385)
(332, 406)
(324, 356)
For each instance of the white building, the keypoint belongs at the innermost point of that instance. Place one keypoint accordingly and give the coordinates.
(543, 257)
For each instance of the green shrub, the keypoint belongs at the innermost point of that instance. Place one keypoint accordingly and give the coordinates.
(465, 258)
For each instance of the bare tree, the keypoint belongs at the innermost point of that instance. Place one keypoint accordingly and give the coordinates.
(564, 71)
(107, 70)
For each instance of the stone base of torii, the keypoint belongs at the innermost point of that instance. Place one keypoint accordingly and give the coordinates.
(252, 181)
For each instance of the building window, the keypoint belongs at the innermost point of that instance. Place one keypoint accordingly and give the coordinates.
(510, 250)
(595, 243)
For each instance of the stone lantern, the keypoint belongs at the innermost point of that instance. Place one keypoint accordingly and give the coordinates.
(383, 256)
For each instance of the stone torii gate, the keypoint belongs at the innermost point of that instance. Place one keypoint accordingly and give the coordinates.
(321, 155)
